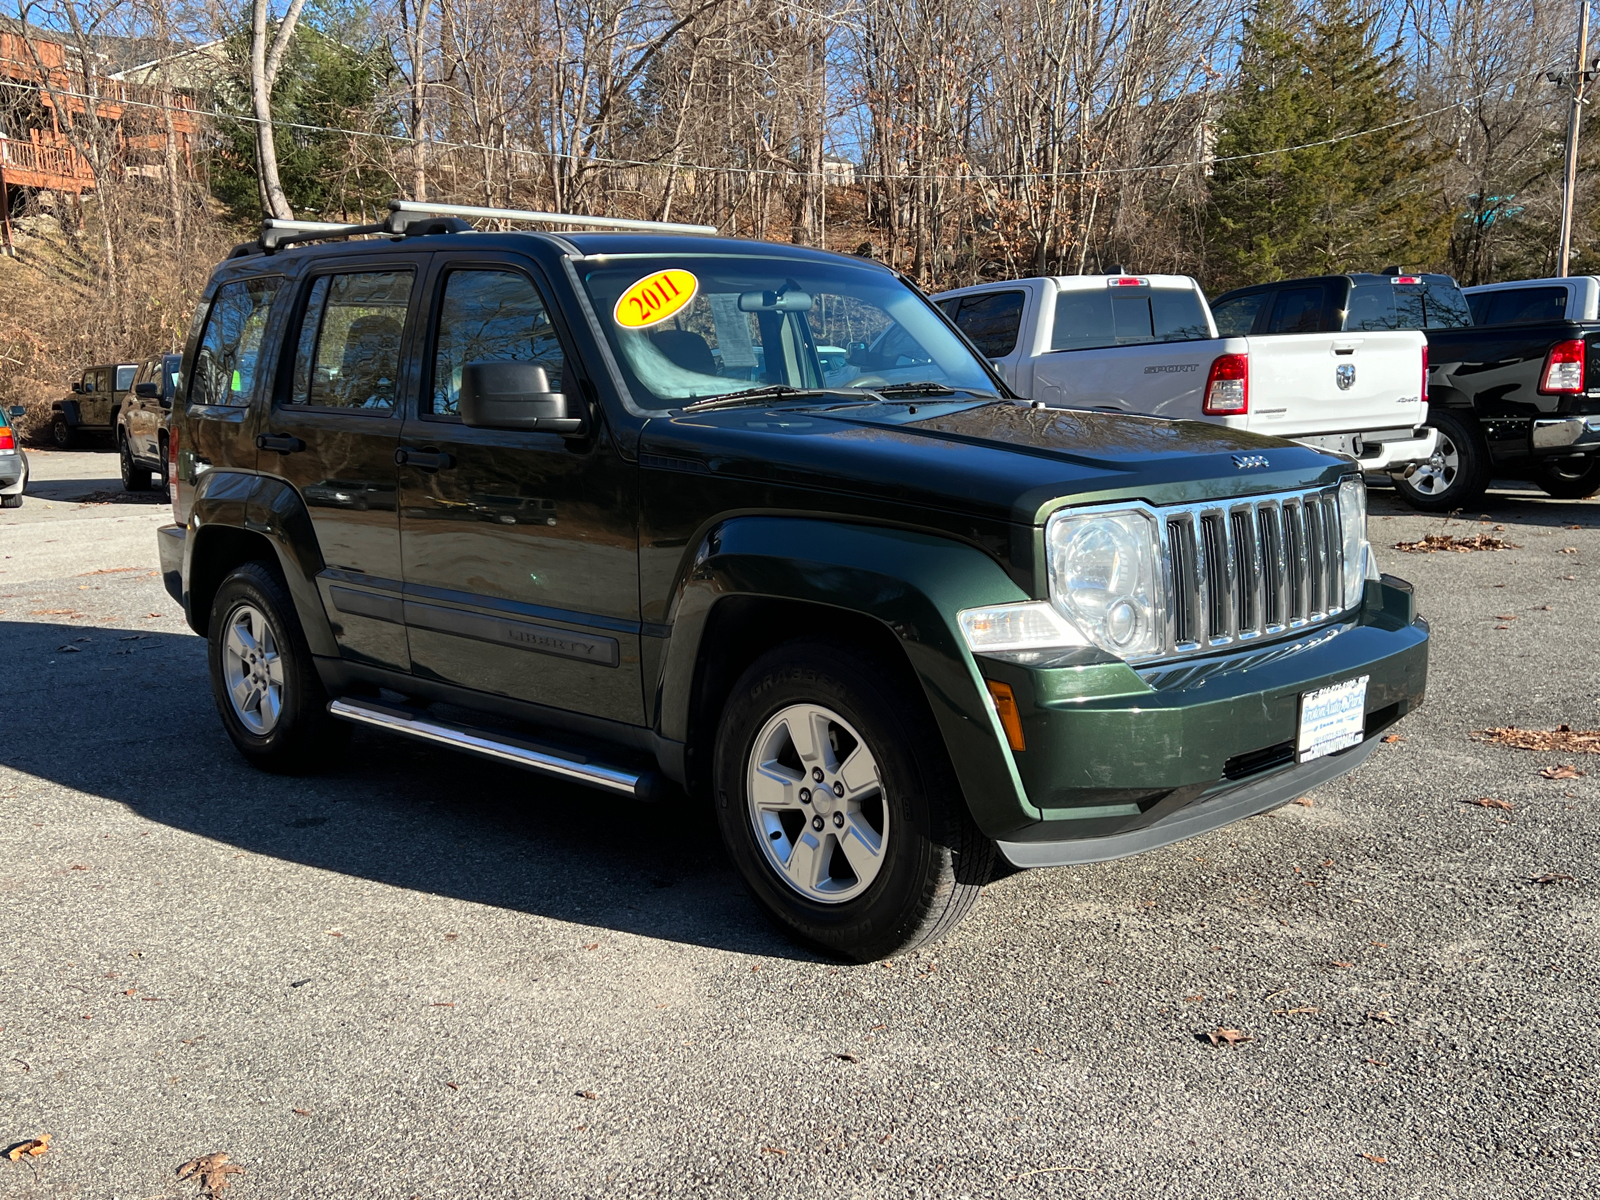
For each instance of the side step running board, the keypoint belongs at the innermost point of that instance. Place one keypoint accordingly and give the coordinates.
(534, 756)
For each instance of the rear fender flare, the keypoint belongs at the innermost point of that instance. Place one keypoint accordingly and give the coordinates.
(270, 510)
(913, 584)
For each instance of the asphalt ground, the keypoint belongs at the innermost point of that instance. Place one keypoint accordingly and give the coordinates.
(423, 976)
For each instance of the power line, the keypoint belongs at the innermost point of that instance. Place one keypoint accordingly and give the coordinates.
(976, 175)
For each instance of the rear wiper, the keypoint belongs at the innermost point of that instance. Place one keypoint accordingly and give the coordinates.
(760, 394)
(925, 388)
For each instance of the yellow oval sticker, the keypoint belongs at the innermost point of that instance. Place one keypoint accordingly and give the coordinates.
(655, 298)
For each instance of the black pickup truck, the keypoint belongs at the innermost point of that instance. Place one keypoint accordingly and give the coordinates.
(1509, 401)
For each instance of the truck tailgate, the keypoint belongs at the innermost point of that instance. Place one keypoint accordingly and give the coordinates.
(1302, 384)
(1160, 379)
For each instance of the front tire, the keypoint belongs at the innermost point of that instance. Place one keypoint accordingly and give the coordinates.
(265, 684)
(134, 477)
(14, 501)
(62, 433)
(1456, 474)
(897, 861)
(1569, 478)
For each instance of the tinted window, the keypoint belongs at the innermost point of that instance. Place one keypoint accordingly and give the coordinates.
(1430, 305)
(1090, 320)
(1371, 307)
(489, 316)
(992, 321)
(125, 376)
(348, 353)
(1297, 310)
(225, 365)
(1518, 306)
(1236, 317)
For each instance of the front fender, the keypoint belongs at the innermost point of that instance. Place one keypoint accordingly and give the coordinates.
(68, 409)
(914, 584)
(271, 510)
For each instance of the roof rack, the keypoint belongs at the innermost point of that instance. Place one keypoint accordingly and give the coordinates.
(414, 218)
(401, 208)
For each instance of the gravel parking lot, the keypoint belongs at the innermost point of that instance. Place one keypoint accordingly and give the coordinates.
(423, 976)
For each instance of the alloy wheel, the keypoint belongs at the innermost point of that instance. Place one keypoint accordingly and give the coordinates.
(816, 803)
(253, 670)
(1437, 474)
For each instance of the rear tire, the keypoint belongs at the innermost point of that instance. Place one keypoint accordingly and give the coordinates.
(897, 861)
(11, 501)
(134, 477)
(1457, 473)
(263, 679)
(1569, 478)
(62, 433)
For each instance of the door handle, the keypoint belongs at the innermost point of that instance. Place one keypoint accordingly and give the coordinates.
(281, 442)
(427, 460)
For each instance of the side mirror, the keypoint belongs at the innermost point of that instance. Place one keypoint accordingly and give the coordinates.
(77, 388)
(146, 391)
(16, 412)
(514, 395)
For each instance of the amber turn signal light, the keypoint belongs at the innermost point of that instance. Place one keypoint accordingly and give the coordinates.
(1005, 703)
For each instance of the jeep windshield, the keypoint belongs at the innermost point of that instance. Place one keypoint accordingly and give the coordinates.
(688, 328)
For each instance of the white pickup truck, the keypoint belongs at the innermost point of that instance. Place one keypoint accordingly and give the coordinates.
(1148, 344)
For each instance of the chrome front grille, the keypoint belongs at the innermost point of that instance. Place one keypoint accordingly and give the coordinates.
(1238, 570)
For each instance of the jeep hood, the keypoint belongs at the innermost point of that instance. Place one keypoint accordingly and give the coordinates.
(996, 459)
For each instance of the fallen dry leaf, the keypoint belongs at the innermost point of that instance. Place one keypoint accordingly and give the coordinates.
(1384, 1015)
(1567, 550)
(592, 946)
(1566, 577)
(1226, 1037)
(1294, 1012)
(773, 1150)
(454, 1087)
(1305, 802)
(1553, 877)
(1490, 802)
(846, 1056)
(1574, 526)
(1506, 617)
(1435, 543)
(1563, 739)
(212, 1170)
(1562, 772)
(1377, 1158)
(1341, 963)
(1194, 999)
(33, 1147)
(589, 1095)
(1391, 738)
(303, 1112)
(443, 1004)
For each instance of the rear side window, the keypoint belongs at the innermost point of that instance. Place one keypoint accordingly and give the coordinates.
(225, 365)
(1093, 320)
(1430, 305)
(1297, 310)
(490, 316)
(348, 353)
(992, 321)
(125, 376)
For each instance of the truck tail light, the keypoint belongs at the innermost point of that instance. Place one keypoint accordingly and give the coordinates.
(8, 440)
(1563, 369)
(1398, 279)
(172, 473)
(1127, 281)
(1424, 372)
(1228, 386)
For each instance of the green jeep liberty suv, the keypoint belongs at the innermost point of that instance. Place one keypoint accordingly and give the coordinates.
(669, 511)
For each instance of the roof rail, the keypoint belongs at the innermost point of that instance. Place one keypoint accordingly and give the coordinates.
(402, 208)
(276, 233)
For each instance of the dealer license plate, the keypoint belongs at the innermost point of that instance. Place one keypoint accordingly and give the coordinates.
(1332, 718)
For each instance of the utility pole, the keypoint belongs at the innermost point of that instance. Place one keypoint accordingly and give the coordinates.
(1578, 80)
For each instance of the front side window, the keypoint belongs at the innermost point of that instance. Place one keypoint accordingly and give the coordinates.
(348, 353)
(1298, 310)
(489, 316)
(1237, 317)
(992, 321)
(125, 374)
(730, 323)
(225, 365)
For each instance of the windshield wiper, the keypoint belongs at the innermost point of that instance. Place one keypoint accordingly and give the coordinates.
(924, 388)
(760, 394)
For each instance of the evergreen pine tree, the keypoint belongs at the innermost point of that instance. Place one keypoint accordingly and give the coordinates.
(1349, 205)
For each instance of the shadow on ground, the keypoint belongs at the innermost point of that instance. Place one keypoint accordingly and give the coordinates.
(127, 715)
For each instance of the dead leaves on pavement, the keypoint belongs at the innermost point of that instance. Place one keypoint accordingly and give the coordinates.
(1563, 739)
(31, 1148)
(1491, 802)
(1225, 1037)
(1437, 543)
(1564, 771)
(211, 1171)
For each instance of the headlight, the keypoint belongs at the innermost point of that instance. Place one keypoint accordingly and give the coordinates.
(1353, 520)
(1105, 579)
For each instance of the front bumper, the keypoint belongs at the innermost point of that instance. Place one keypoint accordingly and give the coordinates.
(1120, 761)
(1379, 450)
(170, 541)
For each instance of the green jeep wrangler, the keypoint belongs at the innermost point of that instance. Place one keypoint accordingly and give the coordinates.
(602, 489)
